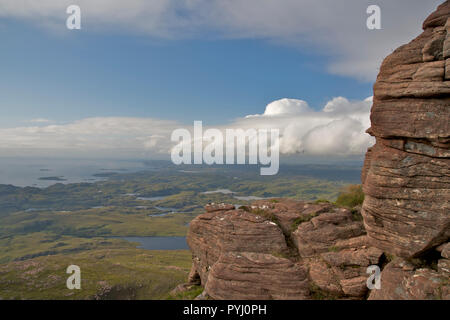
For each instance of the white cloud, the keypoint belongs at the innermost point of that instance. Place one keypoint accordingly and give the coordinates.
(39, 120)
(336, 29)
(286, 106)
(336, 130)
(91, 136)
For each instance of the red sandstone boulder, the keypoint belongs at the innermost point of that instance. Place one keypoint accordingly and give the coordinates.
(321, 233)
(343, 271)
(401, 280)
(217, 232)
(263, 245)
(257, 276)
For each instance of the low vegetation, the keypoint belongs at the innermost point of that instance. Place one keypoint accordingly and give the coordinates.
(42, 231)
(105, 274)
(351, 196)
(189, 294)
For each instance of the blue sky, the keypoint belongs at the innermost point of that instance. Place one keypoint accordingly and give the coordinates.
(137, 70)
(78, 74)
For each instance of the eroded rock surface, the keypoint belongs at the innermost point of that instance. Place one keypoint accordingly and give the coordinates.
(281, 249)
(402, 280)
(406, 175)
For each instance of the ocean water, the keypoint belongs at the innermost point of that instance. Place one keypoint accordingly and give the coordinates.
(30, 172)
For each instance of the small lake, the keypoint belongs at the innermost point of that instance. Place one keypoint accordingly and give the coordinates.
(152, 198)
(223, 191)
(159, 243)
(248, 198)
(227, 191)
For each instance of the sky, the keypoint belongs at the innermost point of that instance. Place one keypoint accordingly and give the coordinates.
(139, 69)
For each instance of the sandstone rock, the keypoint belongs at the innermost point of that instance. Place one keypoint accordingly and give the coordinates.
(438, 17)
(406, 175)
(343, 273)
(202, 296)
(214, 233)
(355, 287)
(194, 277)
(444, 249)
(256, 245)
(288, 211)
(402, 282)
(260, 276)
(444, 266)
(218, 207)
(321, 233)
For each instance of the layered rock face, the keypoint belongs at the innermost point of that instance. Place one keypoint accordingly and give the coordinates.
(239, 255)
(281, 249)
(406, 176)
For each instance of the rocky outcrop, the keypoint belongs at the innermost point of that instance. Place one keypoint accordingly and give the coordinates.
(261, 276)
(321, 233)
(406, 175)
(281, 249)
(402, 280)
(232, 248)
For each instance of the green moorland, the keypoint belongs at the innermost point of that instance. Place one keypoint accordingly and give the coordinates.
(42, 231)
(105, 274)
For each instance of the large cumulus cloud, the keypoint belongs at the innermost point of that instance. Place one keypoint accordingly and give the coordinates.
(337, 129)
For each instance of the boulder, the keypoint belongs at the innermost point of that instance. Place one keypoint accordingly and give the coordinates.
(281, 249)
(322, 232)
(400, 280)
(257, 276)
(217, 232)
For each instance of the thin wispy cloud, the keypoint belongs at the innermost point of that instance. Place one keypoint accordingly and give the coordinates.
(40, 120)
(335, 29)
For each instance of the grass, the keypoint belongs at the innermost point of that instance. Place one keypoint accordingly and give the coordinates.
(74, 224)
(189, 294)
(105, 274)
(318, 201)
(298, 221)
(28, 246)
(333, 249)
(351, 196)
(101, 222)
(265, 214)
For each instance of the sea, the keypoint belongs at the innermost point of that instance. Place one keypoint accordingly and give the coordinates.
(42, 173)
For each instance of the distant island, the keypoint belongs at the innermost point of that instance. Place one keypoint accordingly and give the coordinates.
(105, 175)
(60, 178)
